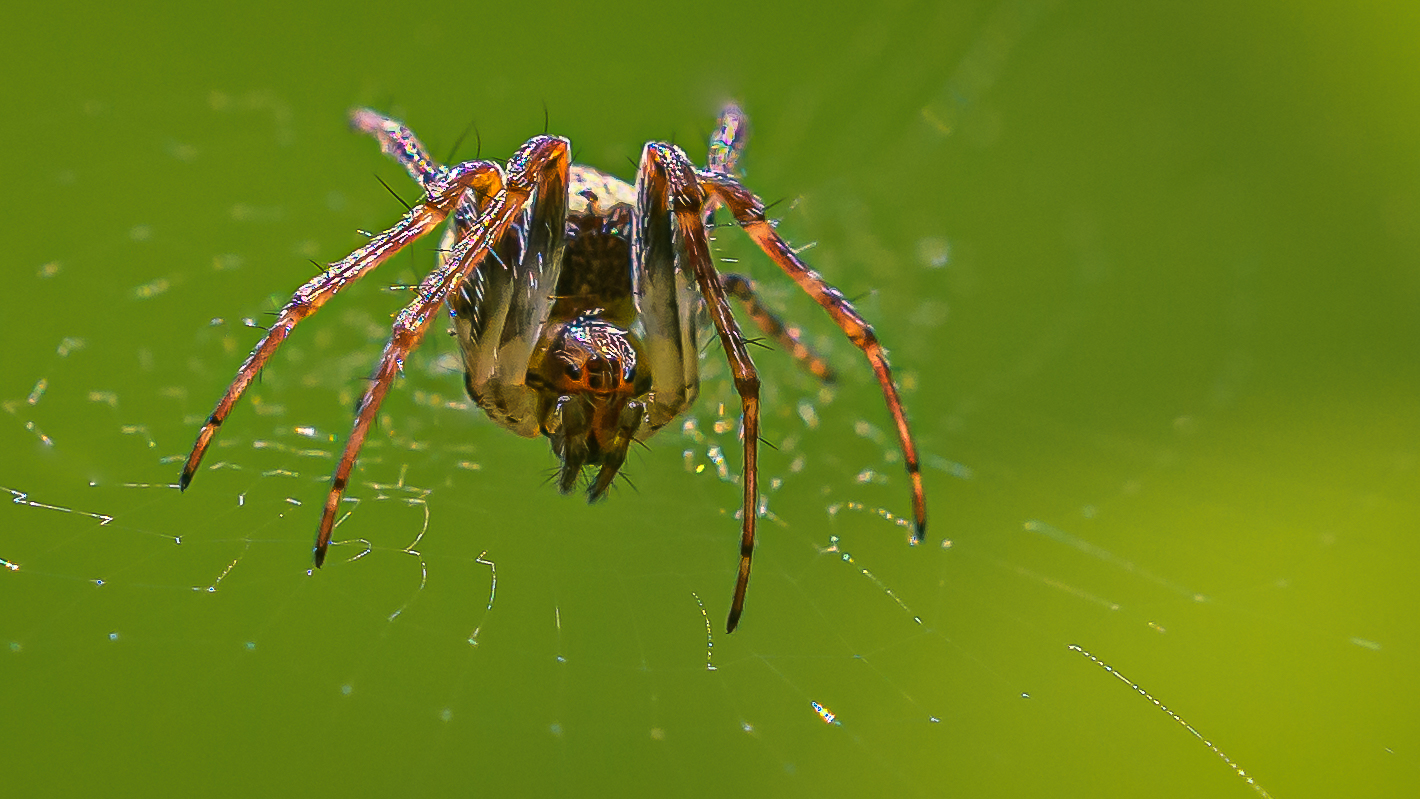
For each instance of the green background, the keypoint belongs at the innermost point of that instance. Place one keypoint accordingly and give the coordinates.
(1148, 274)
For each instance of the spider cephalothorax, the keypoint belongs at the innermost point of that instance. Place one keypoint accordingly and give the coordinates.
(578, 302)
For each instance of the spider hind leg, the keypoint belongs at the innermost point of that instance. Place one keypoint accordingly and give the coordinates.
(789, 337)
(749, 214)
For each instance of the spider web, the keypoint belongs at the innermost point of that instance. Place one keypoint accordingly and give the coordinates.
(472, 609)
(1084, 619)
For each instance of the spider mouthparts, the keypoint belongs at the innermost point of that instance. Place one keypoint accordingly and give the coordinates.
(184, 480)
(319, 556)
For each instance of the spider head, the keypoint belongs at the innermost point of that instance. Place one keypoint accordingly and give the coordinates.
(592, 416)
(593, 357)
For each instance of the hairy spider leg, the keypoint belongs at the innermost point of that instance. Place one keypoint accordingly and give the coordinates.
(789, 337)
(727, 144)
(540, 166)
(512, 293)
(441, 196)
(749, 213)
(667, 174)
(399, 142)
(500, 329)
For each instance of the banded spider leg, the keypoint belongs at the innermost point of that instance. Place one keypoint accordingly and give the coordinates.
(727, 144)
(749, 214)
(674, 194)
(442, 194)
(537, 172)
(488, 202)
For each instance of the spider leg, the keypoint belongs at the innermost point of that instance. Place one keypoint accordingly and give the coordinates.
(440, 199)
(726, 146)
(669, 180)
(539, 166)
(749, 212)
(482, 304)
(789, 337)
(728, 141)
(399, 142)
(667, 301)
(499, 317)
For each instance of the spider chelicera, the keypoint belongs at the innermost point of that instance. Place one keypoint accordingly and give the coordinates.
(577, 301)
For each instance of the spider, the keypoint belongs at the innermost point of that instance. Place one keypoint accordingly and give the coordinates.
(577, 301)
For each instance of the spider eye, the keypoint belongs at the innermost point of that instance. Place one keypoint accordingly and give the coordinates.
(574, 372)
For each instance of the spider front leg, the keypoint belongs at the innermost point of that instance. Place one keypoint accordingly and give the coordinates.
(749, 213)
(673, 204)
(667, 301)
(541, 167)
(512, 292)
(499, 316)
(441, 197)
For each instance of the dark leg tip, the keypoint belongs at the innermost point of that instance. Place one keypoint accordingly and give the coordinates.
(732, 622)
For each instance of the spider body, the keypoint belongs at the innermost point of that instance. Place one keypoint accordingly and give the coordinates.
(578, 301)
(585, 373)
